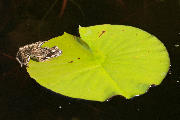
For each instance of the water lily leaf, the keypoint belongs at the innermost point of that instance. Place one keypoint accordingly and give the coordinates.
(106, 60)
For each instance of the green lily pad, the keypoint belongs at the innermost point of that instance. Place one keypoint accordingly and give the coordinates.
(106, 60)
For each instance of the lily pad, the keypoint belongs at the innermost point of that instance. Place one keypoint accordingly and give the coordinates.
(106, 60)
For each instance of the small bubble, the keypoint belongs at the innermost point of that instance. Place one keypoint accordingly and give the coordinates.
(136, 95)
(177, 81)
(60, 107)
(153, 85)
(176, 45)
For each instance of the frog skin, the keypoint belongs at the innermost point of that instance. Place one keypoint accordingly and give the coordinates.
(36, 52)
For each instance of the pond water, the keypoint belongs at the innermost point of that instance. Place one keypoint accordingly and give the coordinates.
(24, 22)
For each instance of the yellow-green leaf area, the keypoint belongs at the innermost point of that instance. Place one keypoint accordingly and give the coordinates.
(106, 60)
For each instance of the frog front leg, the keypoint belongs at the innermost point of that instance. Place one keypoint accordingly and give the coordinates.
(23, 60)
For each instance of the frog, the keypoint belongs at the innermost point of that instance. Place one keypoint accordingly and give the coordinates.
(37, 53)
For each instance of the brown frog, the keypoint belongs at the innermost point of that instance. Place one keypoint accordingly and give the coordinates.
(36, 52)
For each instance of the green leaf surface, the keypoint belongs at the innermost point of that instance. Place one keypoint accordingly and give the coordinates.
(106, 60)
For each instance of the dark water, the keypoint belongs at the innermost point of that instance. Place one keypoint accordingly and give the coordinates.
(27, 21)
